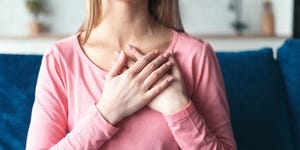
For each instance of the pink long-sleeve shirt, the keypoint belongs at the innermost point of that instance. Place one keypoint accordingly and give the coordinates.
(64, 115)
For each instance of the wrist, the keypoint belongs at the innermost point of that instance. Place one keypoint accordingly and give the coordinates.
(177, 105)
(110, 116)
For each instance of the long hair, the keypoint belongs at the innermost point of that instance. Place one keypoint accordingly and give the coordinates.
(166, 12)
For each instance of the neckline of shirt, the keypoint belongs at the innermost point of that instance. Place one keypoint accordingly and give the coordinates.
(79, 49)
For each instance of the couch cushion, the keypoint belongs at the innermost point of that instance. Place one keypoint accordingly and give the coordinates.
(289, 60)
(257, 100)
(18, 74)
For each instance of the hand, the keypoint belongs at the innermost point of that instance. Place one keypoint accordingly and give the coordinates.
(172, 99)
(131, 90)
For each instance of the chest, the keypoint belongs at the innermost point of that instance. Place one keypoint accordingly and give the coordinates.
(102, 54)
(144, 129)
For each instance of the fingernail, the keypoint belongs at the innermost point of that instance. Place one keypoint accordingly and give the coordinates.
(169, 63)
(167, 55)
(128, 47)
(156, 52)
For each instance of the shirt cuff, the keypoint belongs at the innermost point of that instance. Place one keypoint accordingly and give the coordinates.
(182, 114)
(101, 121)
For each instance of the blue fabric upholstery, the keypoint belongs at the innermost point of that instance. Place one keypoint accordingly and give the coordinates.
(18, 74)
(257, 100)
(289, 59)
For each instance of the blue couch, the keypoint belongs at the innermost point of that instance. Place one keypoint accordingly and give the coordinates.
(263, 94)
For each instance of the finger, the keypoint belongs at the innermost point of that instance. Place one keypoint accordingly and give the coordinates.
(134, 51)
(176, 73)
(130, 63)
(142, 62)
(117, 66)
(157, 89)
(124, 69)
(117, 55)
(157, 74)
(154, 65)
(175, 70)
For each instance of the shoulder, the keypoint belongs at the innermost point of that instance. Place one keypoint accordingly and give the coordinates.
(64, 47)
(187, 39)
(191, 55)
(63, 54)
(189, 46)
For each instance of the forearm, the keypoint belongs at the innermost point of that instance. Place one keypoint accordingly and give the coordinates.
(191, 132)
(90, 133)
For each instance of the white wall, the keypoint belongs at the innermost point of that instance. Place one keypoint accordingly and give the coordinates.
(206, 16)
(26, 45)
(284, 18)
(64, 16)
(61, 16)
(214, 17)
(199, 16)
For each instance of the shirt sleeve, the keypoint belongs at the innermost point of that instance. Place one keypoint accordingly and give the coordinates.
(205, 122)
(48, 124)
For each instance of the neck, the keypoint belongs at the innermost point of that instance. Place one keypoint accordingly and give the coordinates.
(124, 22)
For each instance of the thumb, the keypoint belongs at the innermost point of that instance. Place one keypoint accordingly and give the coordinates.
(175, 70)
(134, 51)
(117, 66)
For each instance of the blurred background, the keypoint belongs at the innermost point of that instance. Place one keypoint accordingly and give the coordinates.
(29, 26)
(263, 91)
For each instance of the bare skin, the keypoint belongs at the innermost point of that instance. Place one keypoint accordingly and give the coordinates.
(125, 22)
(174, 96)
(128, 90)
(126, 93)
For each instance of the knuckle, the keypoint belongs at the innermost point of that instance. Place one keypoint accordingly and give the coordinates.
(159, 88)
(152, 66)
(144, 60)
(133, 84)
(129, 75)
(166, 66)
(165, 83)
(155, 74)
(138, 82)
(148, 95)
(162, 57)
(164, 69)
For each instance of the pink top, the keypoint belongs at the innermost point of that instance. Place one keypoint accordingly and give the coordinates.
(69, 85)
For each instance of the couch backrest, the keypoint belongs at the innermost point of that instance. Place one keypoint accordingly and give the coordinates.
(257, 100)
(289, 60)
(18, 74)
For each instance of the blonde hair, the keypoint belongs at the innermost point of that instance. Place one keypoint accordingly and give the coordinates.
(166, 12)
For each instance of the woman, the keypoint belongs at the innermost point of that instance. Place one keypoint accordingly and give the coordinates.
(164, 89)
